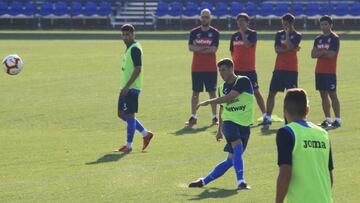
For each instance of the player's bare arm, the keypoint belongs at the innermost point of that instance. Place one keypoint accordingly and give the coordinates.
(247, 43)
(283, 181)
(219, 100)
(219, 134)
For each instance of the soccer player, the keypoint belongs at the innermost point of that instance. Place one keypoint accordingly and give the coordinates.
(236, 114)
(325, 50)
(304, 155)
(131, 84)
(243, 48)
(203, 42)
(285, 75)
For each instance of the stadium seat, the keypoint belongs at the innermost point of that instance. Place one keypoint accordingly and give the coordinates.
(46, 8)
(266, 9)
(76, 8)
(16, 8)
(325, 9)
(104, 8)
(61, 8)
(340, 8)
(312, 9)
(355, 9)
(175, 9)
(191, 9)
(4, 8)
(251, 9)
(236, 8)
(29, 8)
(162, 9)
(281, 8)
(90, 9)
(297, 9)
(207, 5)
(221, 9)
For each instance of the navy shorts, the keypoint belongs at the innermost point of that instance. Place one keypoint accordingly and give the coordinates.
(282, 80)
(325, 82)
(201, 79)
(251, 75)
(129, 103)
(233, 132)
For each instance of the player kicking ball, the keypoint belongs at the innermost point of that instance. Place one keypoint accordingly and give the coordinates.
(236, 116)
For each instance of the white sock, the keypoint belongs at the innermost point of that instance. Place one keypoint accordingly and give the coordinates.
(241, 181)
(144, 133)
(328, 119)
(129, 144)
(338, 120)
(266, 116)
(214, 116)
(194, 116)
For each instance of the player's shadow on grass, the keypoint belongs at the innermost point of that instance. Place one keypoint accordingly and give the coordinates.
(265, 130)
(212, 193)
(107, 158)
(190, 130)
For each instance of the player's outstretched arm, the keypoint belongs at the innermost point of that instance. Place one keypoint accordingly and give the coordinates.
(219, 100)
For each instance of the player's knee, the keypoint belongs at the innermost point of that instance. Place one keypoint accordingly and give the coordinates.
(121, 115)
(237, 142)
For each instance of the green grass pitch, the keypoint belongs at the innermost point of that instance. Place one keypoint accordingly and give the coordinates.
(59, 125)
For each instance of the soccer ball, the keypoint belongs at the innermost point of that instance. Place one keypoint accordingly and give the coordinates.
(12, 64)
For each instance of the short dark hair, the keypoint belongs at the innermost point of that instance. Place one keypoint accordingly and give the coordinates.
(288, 17)
(225, 62)
(243, 15)
(128, 28)
(326, 18)
(296, 102)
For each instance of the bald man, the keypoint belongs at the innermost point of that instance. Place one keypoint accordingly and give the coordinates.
(203, 42)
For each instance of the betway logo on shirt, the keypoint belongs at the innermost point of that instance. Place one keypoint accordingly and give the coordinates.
(323, 46)
(203, 41)
(238, 43)
(236, 108)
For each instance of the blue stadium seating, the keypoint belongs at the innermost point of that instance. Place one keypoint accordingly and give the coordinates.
(251, 9)
(15, 8)
(191, 9)
(162, 9)
(90, 9)
(29, 8)
(341, 9)
(221, 9)
(266, 9)
(61, 9)
(46, 9)
(207, 5)
(104, 8)
(76, 8)
(355, 9)
(4, 8)
(281, 8)
(236, 8)
(297, 9)
(176, 9)
(312, 9)
(325, 9)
